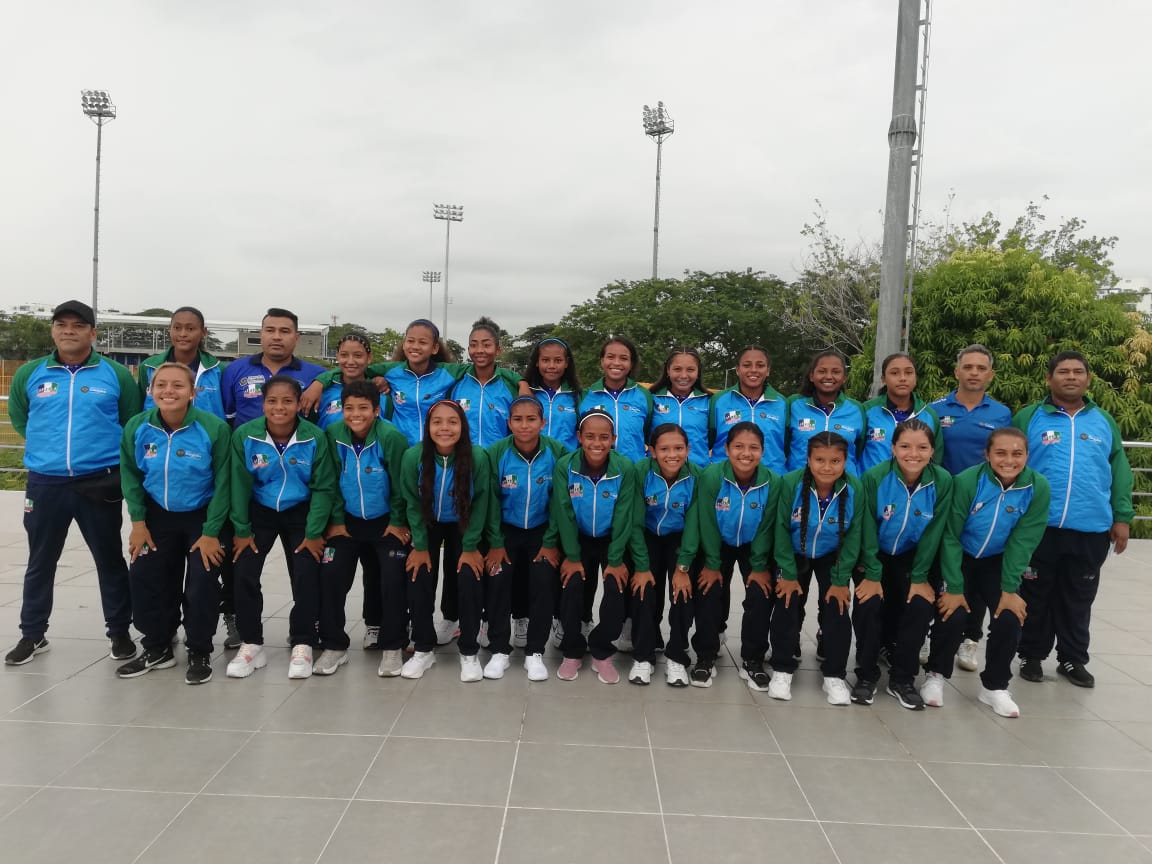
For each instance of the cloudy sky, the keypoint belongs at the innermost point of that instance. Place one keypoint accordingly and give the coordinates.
(289, 153)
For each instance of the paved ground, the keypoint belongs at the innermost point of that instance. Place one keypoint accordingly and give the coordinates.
(359, 768)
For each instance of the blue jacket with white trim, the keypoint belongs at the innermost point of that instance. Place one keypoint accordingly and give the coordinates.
(631, 412)
(690, 414)
(769, 412)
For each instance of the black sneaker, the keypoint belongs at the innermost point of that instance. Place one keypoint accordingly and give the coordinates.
(820, 647)
(123, 648)
(1076, 673)
(797, 654)
(25, 650)
(753, 672)
(199, 669)
(232, 638)
(864, 692)
(1031, 669)
(906, 694)
(152, 658)
(703, 672)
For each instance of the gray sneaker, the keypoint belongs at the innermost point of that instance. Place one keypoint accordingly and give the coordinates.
(232, 639)
(329, 661)
(391, 662)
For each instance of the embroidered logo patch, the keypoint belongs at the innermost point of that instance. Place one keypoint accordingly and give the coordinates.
(877, 434)
(731, 417)
(509, 481)
(466, 404)
(48, 388)
(661, 408)
(806, 424)
(151, 450)
(329, 554)
(575, 490)
(946, 421)
(259, 460)
(888, 512)
(28, 505)
(1050, 436)
(723, 505)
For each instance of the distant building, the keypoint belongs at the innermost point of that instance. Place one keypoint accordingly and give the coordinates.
(1139, 287)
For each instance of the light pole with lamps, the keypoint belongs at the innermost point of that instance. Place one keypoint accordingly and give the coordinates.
(658, 125)
(449, 213)
(99, 108)
(431, 277)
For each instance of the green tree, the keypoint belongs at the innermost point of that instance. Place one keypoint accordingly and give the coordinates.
(515, 355)
(716, 313)
(383, 342)
(24, 336)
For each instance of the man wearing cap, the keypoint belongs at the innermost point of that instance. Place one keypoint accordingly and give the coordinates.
(70, 407)
(243, 381)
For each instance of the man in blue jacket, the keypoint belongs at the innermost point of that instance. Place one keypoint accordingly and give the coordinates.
(71, 407)
(1076, 445)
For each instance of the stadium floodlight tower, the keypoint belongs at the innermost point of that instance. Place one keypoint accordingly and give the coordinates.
(431, 277)
(658, 125)
(449, 213)
(97, 105)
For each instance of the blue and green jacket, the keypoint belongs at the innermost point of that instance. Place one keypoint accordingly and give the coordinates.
(631, 412)
(368, 473)
(486, 405)
(902, 519)
(521, 485)
(805, 419)
(209, 374)
(880, 425)
(825, 534)
(987, 519)
(443, 505)
(600, 507)
(72, 422)
(561, 409)
(769, 412)
(181, 470)
(690, 414)
(330, 409)
(1082, 457)
(728, 514)
(304, 472)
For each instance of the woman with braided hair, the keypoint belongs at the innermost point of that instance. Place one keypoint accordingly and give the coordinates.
(824, 504)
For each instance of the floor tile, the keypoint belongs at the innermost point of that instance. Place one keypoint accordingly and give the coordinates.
(160, 760)
(1024, 847)
(958, 732)
(463, 713)
(844, 730)
(12, 797)
(1078, 743)
(94, 700)
(97, 825)
(707, 783)
(720, 840)
(709, 727)
(267, 830)
(334, 706)
(289, 763)
(15, 690)
(1011, 796)
(67, 657)
(727, 688)
(874, 844)
(569, 777)
(1138, 667)
(1126, 796)
(569, 720)
(440, 770)
(1138, 732)
(846, 790)
(34, 753)
(375, 831)
(559, 837)
(1116, 702)
(222, 703)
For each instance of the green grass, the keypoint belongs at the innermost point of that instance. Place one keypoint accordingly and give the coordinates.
(11, 459)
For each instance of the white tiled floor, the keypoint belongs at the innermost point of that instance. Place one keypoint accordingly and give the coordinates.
(359, 768)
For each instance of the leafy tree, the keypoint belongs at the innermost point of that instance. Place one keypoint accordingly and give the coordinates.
(155, 313)
(716, 313)
(383, 342)
(24, 336)
(516, 354)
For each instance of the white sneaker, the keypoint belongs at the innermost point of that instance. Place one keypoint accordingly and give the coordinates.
(932, 690)
(248, 659)
(966, 656)
(329, 661)
(557, 633)
(640, 673)
(482, 635)
(676, 674)
(470, 668)
(837, 691)
(780, 687)
(446, 631)
(391, 663)
(371, 637)
(624, 641)
(925, 651)
(519, 632)
(416, 665)
(1000, 701)
(537, 671)
(300, 666)
(496, 666)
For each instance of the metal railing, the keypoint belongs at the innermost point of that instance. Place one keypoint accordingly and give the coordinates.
(6, 422)
(1139, 445)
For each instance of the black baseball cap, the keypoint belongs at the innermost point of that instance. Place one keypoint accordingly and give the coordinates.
(74, 307)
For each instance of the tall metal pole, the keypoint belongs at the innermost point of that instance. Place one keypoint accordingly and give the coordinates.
(431, 277)
(658, 125)
(901, 142)
(96, 222)
(447, 247)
